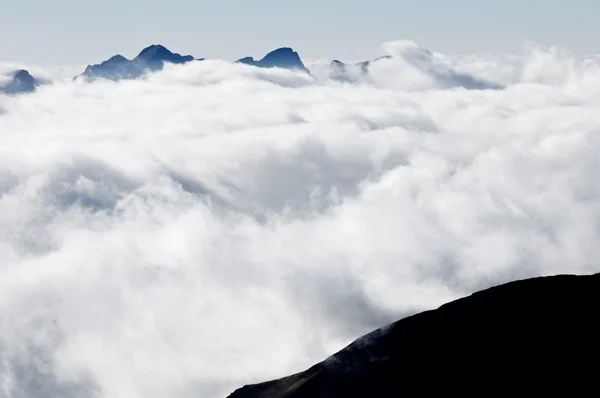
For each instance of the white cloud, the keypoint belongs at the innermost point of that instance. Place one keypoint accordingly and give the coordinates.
(217, 224)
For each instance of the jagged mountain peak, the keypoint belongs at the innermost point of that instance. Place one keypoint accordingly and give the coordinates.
(283, 57)
(150, 59)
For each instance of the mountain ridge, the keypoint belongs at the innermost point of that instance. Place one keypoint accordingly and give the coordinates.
(149, 59)
(493, 336)
(154, 57)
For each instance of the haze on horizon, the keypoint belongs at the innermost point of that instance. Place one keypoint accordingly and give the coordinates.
(77, 32)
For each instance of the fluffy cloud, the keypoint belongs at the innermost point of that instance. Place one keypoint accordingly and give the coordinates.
(217, 224)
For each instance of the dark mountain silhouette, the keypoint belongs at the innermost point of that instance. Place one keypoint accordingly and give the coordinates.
(22, 82)
(150, 59)
(283, 57)
(533, 337)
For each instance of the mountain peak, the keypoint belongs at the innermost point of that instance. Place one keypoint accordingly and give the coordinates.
(155, 50)
(23, 75)
(282, 51)
(22, 82)
(283, 57)
(155, 56)
(117, 58)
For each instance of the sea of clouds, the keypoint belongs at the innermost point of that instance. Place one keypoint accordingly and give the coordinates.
(217, 224)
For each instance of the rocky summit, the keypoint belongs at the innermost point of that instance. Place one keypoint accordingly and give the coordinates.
(284, 57)
(525, 338)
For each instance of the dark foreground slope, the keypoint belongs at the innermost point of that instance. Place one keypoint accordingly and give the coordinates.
(535, 336)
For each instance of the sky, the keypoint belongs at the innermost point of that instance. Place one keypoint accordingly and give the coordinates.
(81, 32)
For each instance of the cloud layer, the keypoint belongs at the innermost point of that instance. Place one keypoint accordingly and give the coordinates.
(217, 224)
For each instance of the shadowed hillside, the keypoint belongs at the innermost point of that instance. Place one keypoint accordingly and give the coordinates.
(534, 336)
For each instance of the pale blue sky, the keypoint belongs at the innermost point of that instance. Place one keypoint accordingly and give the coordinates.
(80, 31)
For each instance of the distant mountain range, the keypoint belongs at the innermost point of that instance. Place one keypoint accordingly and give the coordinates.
(534, 337)
(154, 57)
(150, 59)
